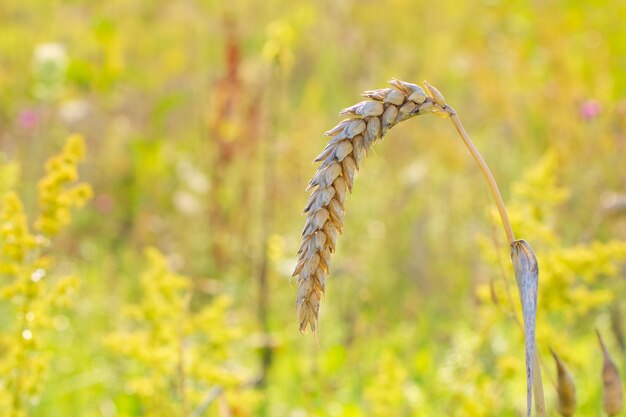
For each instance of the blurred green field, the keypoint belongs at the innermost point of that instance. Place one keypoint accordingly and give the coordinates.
(200, 119)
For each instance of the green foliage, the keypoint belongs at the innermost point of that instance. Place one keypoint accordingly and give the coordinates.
(578, 281)
(31, 294)
(9, 174)
(575, 279)
(385, 394)
(189, 354)
(202, 117)
(56, 197)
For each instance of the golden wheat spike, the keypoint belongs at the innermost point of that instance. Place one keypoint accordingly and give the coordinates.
(350, 141)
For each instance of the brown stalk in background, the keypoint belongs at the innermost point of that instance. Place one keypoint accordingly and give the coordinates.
(612, 393)
(566, 390)
(366, 123)
(242, 165)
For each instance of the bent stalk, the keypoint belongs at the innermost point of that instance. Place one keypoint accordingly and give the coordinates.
(350, 141)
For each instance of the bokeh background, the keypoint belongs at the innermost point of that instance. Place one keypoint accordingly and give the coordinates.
(200, 119)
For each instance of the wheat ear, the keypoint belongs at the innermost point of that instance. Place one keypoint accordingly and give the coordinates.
(365, 123)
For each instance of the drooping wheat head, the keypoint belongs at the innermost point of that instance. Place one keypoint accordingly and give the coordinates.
(365, 123)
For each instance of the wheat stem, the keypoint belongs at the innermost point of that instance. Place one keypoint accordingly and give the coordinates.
(493, 186)
(535, 375)
(540, 402)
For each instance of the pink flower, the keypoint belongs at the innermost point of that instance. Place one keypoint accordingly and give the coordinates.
(28, 119)
(589, 109)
